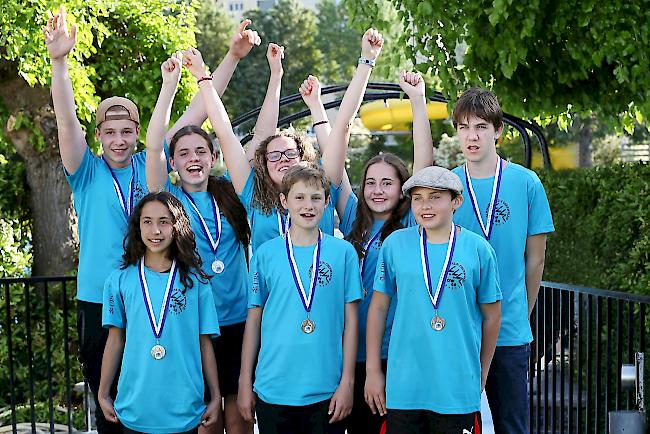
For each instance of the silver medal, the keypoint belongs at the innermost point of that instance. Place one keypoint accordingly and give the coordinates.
(308, 326)
(158, 352)
(437, 323)
(218, 266)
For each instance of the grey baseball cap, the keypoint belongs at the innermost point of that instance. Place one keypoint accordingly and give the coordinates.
(435, 177)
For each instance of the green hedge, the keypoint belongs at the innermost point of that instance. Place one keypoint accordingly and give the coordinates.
(602, 222)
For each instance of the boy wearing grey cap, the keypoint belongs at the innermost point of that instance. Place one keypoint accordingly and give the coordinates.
(505, 203)
(447, 317)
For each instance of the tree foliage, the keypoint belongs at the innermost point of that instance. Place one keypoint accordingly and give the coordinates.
(214, 29)
(543, 58)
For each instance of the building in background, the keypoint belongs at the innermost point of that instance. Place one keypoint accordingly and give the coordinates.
(236, 8)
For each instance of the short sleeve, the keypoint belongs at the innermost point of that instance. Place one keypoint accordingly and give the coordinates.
(257, 288)
(350, 213)
(540, 220)
(113, 312)
(384, 276)
(246, 196)
(208, 319)
(82, 177)
(352, 275)
(489, 289)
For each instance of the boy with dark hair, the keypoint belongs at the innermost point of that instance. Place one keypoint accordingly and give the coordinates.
(446, 319)
(302, 319)
(506, 204)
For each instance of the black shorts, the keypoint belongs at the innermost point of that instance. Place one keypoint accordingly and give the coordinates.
(289, 419)
(227, 351)
(425, 421)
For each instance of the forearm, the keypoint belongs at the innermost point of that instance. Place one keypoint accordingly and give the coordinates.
(489, 338)
(250, 346)
(111, 360)
(353, 97)
(209, 363)
(422, 141)
(376, 326)
(350, 337)
(322, 130)
(159, 122)
(267, 121)
(534, 272)
(224, 72)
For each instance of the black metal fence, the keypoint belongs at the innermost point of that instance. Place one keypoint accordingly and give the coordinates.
(582, 337)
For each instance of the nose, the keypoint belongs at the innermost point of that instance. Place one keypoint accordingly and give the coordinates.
(156, 229)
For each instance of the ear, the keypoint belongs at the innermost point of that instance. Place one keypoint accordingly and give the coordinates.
(499, 131)
(327, 200)
(97, 132)
(137, 130)
(213, 160)
(457, 202)
(283, 201)
(171, 163)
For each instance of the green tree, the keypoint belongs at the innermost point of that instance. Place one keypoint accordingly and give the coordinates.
(120, 46)
(213, 31)
(543, 58)
(288, 24)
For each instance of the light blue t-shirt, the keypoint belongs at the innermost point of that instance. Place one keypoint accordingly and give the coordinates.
(522, 210)
(159, 396)
(368, 274)
(433, 370)
(102, 223)
(229, 288)
(265, 226)
(295, 368)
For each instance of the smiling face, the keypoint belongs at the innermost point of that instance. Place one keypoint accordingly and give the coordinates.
(118, 139)
(306, 202)
(477, 138)
(193, 159)
(434, 209)
(156, 228)
(284, 146)
(382, 189)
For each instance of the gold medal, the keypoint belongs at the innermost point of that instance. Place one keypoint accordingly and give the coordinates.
(308, 326)
(437, 323)
(158, 352)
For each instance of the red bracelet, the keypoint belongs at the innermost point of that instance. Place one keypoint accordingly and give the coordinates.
(207, 77)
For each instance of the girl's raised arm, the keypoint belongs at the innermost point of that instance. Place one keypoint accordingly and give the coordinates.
(412, 84)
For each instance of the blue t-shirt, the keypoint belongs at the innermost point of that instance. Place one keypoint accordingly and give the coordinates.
(230, 287)
(433, 370)
(522, 210)
(295, 368)
(368, 274)
(102, 223)
(265, 226)
(162, 396)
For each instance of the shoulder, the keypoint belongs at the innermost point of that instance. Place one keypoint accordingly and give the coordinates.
(338, 244)
(270, 247)
(401, 236)
(472, 239)
(119, 275)
(140, 159)
(460, 170)
(526, 175)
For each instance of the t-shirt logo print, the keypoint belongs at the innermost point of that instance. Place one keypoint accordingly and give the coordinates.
(501, 212)
(138, 192)
(456, 276)
(177, 301)
(111, 305)
(324, 273)
(256, 283)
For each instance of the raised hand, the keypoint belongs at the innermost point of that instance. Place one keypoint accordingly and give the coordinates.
(58, 40)
(371, 44)
(193, 61)
(412, 84)
(275, 54)
(243, 40)
(171, 68)
(310, 90)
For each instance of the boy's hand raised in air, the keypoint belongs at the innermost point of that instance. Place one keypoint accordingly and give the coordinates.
(310, 91)
(275, 54)
(171, 68)
(371, 44)
(412, 84)
(58, 40)
(193, 61)
(243, 40)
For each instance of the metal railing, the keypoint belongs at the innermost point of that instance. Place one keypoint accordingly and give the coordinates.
(582, 337)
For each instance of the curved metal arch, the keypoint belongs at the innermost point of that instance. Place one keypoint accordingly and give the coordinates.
(382, 91)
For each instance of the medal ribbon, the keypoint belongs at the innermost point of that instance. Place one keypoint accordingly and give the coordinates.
(283, 225)
(306, 299)
(214, 242)
(366, 246)
(127, 206)
(157, 327)
(435, 297)
(486, 228)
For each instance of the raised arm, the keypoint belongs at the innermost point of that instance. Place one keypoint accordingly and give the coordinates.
(412, 84)
(156, 159)
(267, 121)
(233, 153)
(240, 45)
(59, 42)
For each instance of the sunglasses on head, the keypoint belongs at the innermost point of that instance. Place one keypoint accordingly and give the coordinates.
(291, 153)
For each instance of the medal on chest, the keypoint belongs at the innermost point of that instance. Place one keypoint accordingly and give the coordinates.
(126, 202)
(307, 326)
(158, 352)
(217, 264)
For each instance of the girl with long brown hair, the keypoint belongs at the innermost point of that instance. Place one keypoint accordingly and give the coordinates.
(382, 210)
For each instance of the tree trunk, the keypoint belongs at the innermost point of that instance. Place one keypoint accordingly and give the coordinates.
(54, 235)
(584, 143)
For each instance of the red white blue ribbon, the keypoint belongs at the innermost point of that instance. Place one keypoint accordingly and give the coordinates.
(127, 205)
(424, 255)
(486, 228)
(213, 241)
(157, 326)
(307, 299)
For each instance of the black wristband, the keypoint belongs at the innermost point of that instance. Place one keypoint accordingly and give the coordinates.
(315, 124)
(207, 77)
